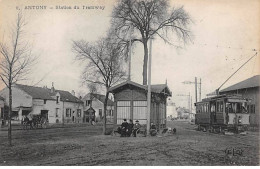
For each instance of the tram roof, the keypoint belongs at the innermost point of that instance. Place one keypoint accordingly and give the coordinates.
(234, 96)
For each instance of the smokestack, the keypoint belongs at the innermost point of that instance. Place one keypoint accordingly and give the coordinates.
(52, 88)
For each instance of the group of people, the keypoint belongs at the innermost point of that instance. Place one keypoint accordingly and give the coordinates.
(128, 129)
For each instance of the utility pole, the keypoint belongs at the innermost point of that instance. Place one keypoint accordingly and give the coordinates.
(200, 90)
(196, 89)
(130, 53)
(149, 89)
(190, 104)
(196, 84)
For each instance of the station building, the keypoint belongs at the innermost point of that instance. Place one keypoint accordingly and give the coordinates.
(130, 100)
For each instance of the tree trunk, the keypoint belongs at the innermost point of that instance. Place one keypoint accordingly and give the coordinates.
(145, 62)
(9, 116)
(105, 113)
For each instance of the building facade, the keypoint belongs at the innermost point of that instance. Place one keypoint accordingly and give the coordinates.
(56, 106)
(171, 110)
(96, 102)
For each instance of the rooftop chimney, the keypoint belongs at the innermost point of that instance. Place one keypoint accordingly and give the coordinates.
(73, 92)
(52, 88)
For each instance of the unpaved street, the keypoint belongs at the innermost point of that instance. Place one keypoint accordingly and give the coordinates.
(84, 145)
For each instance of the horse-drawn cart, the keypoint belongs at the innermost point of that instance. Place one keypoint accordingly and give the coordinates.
(37, 121)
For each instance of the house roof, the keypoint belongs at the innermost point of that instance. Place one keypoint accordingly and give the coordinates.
(68, 97)
(248, 83)
(157, 88)
(35, 92)
(160, 88)
(45, 93)
(100, 97)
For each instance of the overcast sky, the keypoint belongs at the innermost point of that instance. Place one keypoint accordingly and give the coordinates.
(225, 32)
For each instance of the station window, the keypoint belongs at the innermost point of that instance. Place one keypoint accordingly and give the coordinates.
(57, 99)
(100, 112)
(88, 102)
(79, 112)
(68, 112)
(57, 112)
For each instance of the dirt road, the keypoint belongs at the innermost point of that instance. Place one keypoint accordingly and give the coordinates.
(84, 145)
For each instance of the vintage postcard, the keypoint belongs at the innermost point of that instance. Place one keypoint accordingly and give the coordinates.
(129, 82)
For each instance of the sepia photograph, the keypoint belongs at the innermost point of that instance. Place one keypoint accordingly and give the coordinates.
(129, 82)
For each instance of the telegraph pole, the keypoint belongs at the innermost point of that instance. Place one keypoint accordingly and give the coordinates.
(149, 89)
(196, 89)
(196, 85)
(130, 53)
(200, 90)
(190, 104)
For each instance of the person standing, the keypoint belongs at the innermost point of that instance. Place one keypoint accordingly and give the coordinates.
(137, 127)
(153, 131)
(130, 127)
(124, 127)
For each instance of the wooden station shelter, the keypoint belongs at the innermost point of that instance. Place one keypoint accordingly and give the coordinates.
(131, 103)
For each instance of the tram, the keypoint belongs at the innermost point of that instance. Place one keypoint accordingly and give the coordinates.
(222, 113)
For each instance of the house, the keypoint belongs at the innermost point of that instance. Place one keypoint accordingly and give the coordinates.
(131, 103)
(183, 113)
(171, 110)
(249, 89)
(96, 102)
(57, 106)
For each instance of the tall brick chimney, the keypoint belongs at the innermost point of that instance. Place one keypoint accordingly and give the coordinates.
(52, 88)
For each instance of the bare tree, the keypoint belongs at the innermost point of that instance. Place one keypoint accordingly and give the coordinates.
(149, 18)
(16, 61)
(103, 65)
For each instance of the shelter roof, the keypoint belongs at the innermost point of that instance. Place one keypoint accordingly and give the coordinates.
(157, 88)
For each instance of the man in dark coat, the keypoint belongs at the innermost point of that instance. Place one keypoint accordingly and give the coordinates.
(137, 127)
(153, 131)
(124, 128)
(130, 128)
